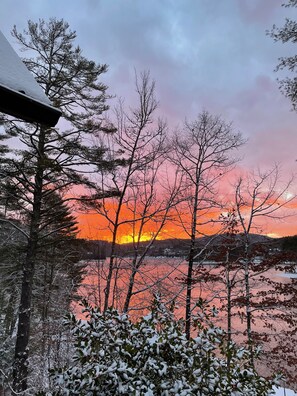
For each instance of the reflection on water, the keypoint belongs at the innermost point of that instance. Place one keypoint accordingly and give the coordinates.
(156, 275)
(274, 319)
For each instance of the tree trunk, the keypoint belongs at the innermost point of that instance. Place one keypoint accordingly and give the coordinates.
(20, 364)
(111, 260)
(189, 282)
(130, 286)
(229, 321)
(248, 304)
(108, 281)
(248, 311)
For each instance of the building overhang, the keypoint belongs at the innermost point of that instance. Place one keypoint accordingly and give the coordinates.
(20, 94)
(28, 109)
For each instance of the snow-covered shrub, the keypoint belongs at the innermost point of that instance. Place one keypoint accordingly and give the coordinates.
(6, 358)
(153, 357)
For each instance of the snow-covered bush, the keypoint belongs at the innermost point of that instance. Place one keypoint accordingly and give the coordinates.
(153, 357)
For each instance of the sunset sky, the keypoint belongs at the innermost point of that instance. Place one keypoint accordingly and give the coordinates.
(203, 54)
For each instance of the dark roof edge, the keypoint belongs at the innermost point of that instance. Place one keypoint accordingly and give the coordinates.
(22, 106)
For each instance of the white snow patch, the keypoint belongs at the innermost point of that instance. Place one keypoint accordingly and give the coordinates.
(288, 275)
(282, 392)
(153, 339)
(15, 75)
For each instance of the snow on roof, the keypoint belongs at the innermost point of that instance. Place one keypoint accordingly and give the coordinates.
(14, 74)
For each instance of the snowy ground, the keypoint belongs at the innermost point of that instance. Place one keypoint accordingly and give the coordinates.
(282, 392)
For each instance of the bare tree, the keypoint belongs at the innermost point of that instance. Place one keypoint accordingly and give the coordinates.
(150, 205)
(202, 154)
(259, 196)
(230, 265)
(143, 204)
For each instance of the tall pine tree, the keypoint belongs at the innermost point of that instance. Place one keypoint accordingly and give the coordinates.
(50, 161)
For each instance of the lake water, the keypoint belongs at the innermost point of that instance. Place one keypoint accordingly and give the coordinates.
(166, 276)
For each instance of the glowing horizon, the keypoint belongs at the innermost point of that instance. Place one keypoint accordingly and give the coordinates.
(95, 226)
(90, 227)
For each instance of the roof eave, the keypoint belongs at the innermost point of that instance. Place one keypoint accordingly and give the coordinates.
(22, 106)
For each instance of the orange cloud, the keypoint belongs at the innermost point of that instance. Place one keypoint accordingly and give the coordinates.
(94, 226)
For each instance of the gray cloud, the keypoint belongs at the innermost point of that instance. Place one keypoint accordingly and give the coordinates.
(203, 54)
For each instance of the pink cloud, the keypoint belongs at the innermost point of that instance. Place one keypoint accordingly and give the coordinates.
(255, 11)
